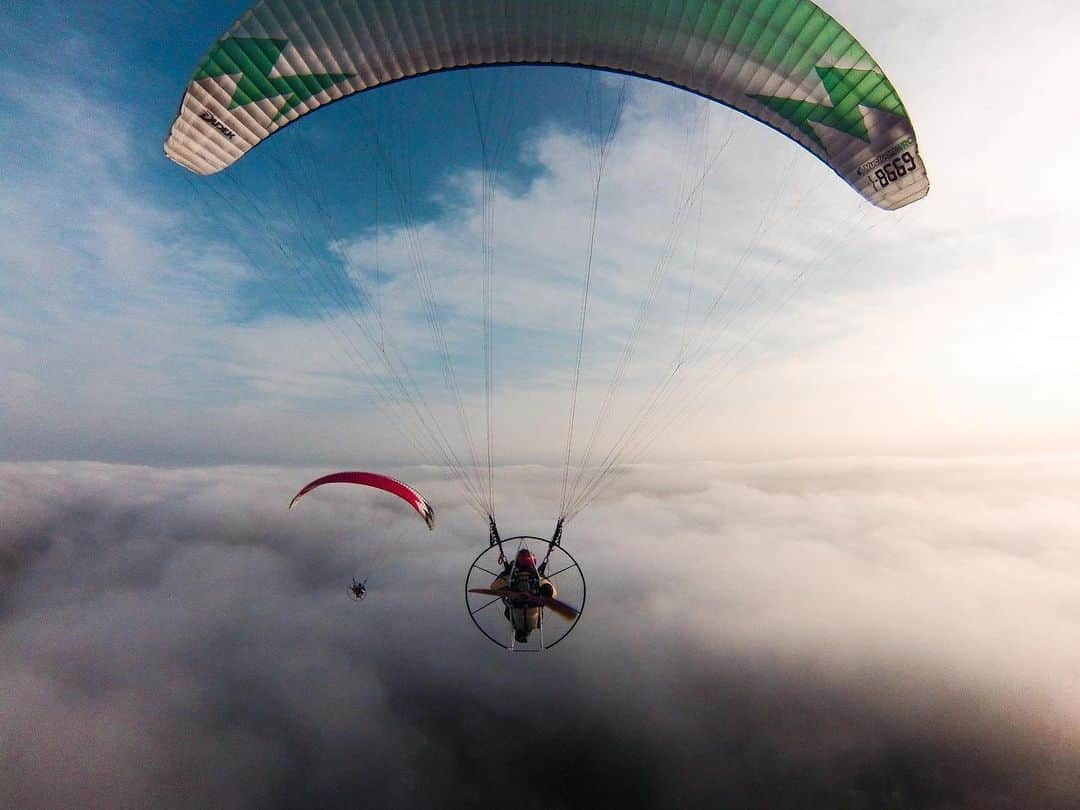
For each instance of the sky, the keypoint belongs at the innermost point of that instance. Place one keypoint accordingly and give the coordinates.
(838, 564)
(141, 325)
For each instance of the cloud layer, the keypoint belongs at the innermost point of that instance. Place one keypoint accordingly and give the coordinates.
(852, 634)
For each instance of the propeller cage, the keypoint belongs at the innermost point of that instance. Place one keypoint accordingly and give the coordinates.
(491, 614)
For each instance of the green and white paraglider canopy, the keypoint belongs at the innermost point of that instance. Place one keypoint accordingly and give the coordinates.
(786, 63)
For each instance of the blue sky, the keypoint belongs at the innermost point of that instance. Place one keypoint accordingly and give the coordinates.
(139, 323)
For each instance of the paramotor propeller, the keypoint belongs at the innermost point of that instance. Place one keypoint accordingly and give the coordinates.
(564, 610)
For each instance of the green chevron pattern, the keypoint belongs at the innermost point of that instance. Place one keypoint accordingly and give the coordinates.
(849, 90)
(253, 60)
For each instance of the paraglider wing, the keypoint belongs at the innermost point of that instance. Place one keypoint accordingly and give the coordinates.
(531, 600)
(383, 482)
(786, 63)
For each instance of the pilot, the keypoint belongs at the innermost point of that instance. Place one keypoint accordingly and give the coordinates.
(358, 590)
(523, 577)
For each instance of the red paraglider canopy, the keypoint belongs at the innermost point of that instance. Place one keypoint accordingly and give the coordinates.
(383, 482)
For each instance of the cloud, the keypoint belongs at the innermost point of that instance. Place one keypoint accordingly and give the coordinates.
(860, 633)
(138, 325)
(126, 341)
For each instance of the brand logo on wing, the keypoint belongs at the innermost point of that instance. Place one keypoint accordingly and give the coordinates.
(893, 150)
(213, 121)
